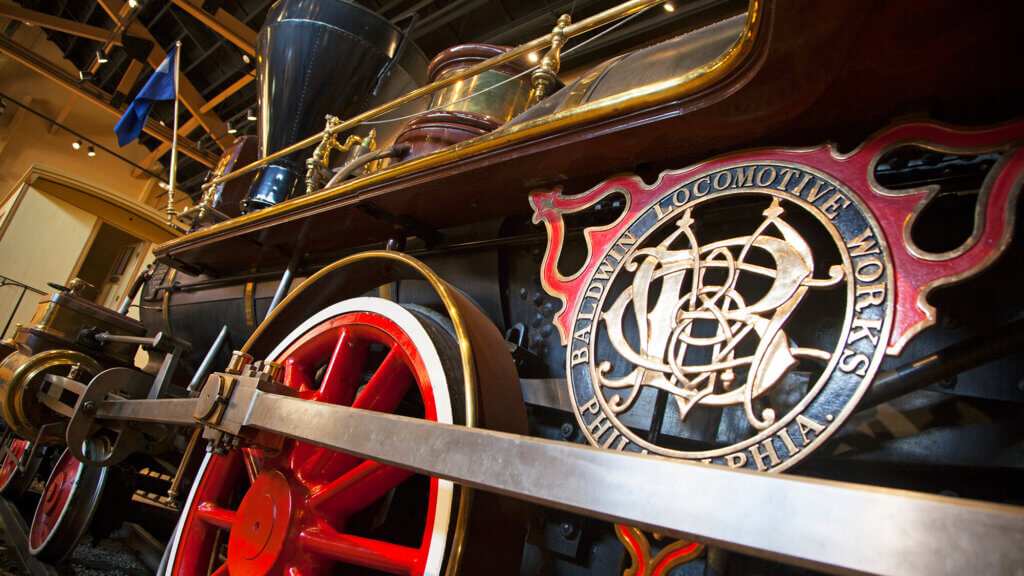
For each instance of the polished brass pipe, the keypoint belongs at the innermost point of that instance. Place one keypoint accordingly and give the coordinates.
(179, 475)
(608, 16)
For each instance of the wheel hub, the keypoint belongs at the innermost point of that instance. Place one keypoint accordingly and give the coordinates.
(52, 499)
(257, 541)
(58, 492)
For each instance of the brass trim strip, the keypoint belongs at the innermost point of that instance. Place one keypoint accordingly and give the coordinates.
(248, 301)
(166, 312)
(179, 474)
(641, 97)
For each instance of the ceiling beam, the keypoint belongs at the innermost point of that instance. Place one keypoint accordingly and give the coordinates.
(55, 23)
(238, 85)
(63, 113)
(223, 23)
(98, 97)
(128, 80)
(445, 15)
(188, 93)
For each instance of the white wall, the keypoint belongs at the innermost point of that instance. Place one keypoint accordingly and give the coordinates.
(43, 241)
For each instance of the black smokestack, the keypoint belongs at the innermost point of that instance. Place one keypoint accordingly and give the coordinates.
(314, 58)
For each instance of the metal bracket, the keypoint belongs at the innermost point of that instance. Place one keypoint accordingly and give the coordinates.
(51, 393)
(120, 439)
(227, 398)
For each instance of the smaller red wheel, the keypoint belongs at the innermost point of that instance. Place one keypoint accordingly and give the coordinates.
(65, 509)
(14, 482)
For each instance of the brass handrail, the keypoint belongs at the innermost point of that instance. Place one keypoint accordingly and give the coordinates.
(606, 17)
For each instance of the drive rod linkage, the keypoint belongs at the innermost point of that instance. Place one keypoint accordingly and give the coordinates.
(825, 525)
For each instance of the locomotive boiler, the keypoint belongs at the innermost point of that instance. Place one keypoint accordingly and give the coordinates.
(739, 301)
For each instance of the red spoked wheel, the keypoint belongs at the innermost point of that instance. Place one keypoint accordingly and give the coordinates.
(307, 510)
(65, 509)
(14, 482)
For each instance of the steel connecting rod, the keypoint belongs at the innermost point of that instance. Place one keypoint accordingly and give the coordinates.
(826, 525)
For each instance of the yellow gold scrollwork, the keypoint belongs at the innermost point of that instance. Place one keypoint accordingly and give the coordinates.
(750, 351)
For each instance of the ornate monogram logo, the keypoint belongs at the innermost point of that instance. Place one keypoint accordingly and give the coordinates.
(737, 311)
(687, 341)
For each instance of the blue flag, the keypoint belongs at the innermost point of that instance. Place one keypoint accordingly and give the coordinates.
(159, 87)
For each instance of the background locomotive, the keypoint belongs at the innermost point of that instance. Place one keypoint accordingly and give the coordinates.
(775, 77)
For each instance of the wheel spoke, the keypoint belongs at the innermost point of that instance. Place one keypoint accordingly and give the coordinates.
(364, 552)
(298, 570)
(344, 369)
(387, 386)
(382, 393)
(358, 488)
(215, 515)
(222, 571)
(253, 463)
(308, 466)
(295, 374)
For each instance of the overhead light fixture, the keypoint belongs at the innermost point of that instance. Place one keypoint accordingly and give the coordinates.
(77, 144)
(133, 3)
(231, 129)
(101, 58)
(246, 59)
(669, 7)
(91, 152)
(250, 115)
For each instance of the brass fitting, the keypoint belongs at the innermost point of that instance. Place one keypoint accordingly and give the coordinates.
(210, 189)
(274, 370)
(316, 165)
(546, 76)
(239, 360)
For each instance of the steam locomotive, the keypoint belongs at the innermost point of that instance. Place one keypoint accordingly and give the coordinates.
(484, 322)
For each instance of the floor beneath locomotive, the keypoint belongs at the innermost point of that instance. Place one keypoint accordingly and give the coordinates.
(121, 552)
(108, 557)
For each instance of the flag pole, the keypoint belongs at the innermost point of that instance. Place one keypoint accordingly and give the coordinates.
(174, 137)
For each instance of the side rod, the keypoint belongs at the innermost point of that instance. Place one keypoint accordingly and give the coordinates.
(824, 525)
